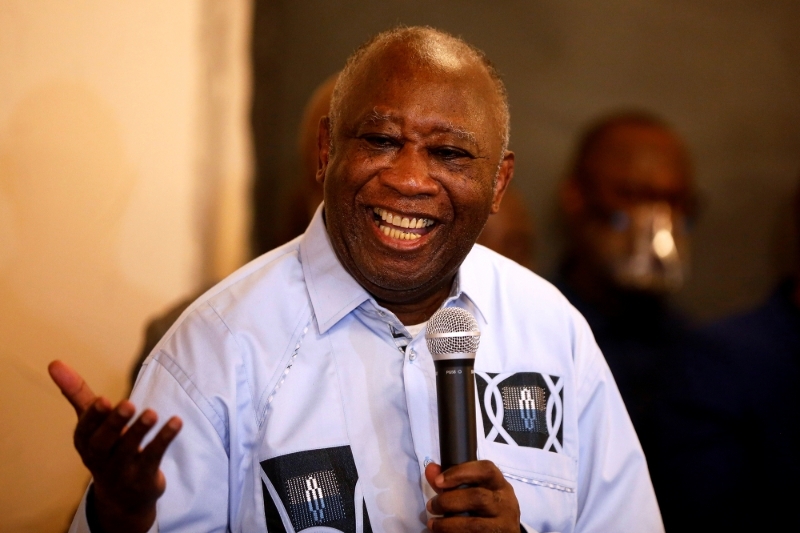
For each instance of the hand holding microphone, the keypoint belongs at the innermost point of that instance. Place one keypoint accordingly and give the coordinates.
(472, 495)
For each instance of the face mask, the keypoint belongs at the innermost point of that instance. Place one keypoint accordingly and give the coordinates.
(649, 252)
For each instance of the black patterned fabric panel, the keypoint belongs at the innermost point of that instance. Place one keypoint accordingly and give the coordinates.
(525, 407)
(316, 487)
(274, 522)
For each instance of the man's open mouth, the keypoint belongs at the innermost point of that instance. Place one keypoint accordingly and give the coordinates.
(400, 227)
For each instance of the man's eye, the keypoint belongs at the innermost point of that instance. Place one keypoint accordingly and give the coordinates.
(449, 153)
(380, 141)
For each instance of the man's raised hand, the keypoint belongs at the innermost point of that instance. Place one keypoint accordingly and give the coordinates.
(127, 479)
(489, 499)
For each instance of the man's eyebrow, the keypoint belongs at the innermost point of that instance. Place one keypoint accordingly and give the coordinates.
(461, 133)
(376, 116)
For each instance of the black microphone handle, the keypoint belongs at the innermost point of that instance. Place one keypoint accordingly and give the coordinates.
(455, 392)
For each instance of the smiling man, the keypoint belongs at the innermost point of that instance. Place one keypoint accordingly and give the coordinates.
(418, 137)
(302, 390)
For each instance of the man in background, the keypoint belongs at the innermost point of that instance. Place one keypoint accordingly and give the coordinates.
(627, 200)
(306, 193)
(735, 435)
(511, 232)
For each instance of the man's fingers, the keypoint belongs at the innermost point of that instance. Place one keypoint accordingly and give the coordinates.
(432, 471)
(72, 386)
(109, 433)
(154, 451)
(477, 473)
(92, 418)
(461, 524)
(131, 439)
(474, 500)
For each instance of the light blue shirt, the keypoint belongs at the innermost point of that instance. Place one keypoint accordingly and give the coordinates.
(305, 402)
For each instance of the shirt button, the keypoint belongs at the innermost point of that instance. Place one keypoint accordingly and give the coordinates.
(381, 313)
(412, 355)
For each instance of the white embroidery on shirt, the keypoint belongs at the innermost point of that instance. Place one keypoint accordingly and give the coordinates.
(289, 366)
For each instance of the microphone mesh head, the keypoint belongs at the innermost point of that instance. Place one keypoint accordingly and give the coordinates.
(452, 320)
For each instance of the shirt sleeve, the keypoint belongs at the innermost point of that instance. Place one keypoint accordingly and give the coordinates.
(80, 523)
(195, 464)
(614, 488)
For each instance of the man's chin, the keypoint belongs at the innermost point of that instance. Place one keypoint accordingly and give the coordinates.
(387, 281)
(401, 287)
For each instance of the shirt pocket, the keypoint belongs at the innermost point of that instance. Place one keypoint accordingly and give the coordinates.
(532, 466)
(521, 431)
(314, 490)
(544, 483)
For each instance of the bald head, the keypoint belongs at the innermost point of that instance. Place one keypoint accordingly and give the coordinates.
(420, 48)
(633, 142)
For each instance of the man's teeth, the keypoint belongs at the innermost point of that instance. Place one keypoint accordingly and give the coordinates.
(398, 234)
(402, 222)
(399, 222)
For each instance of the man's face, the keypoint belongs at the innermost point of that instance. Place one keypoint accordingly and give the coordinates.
(636, 197)
(413, 173)
(636, 164)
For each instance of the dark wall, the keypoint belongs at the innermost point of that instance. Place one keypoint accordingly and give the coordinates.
(725, 73)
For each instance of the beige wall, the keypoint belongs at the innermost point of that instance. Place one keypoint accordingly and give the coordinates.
(124, 166)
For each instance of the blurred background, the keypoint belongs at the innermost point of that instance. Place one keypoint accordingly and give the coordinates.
(147, 148)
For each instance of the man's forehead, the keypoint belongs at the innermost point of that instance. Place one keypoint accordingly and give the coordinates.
(432, 81)
(378, 117)
(636, 145)
(631, 155)
(631, 138)
(407, 77)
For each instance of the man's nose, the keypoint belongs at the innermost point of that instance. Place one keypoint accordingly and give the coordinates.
(410, 173)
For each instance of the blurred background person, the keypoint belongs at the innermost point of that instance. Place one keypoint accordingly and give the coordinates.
(304, 198)
(306, 194)
(511, 231)
(627, 200)
(735, 435)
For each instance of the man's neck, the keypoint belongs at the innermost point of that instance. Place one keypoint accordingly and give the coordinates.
(418, 311)
(602, 295)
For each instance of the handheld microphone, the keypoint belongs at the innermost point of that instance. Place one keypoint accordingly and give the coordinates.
(453, 337)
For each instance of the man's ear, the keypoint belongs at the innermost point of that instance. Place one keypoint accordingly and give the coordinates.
(571, 197)
(323, 148)
(504, 177)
